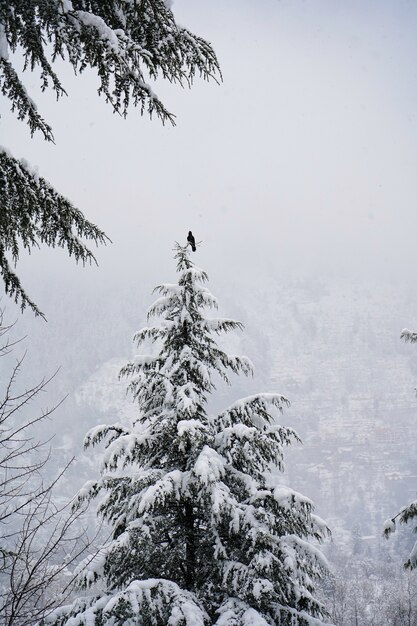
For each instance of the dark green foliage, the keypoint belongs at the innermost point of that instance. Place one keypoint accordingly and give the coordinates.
(32, 213)
(126, 43)
(123, 41)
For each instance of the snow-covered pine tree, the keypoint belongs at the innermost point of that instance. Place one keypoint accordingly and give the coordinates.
(127, 43)
(407, 513)
(200, 535)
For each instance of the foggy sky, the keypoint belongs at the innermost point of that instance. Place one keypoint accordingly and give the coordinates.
(301, 161)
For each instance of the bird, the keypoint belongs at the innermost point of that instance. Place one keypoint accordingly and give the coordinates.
(191, 240)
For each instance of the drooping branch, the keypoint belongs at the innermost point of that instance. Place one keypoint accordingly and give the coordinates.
(32, 213)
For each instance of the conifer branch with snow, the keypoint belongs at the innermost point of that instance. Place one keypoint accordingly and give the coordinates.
(408, 513)
(200, 535)
(127, 43)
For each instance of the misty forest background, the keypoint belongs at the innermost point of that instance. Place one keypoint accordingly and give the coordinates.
(298, 175)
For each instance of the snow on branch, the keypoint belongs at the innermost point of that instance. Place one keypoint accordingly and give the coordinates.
(288, 498)
(98, 433)
(206, 299)
(123, 42)
(190, 432)
(161, 305)
(169, 485)
(164, 600)
(210, 466)
(150, 333)
(252, 449)
(91, 568)
(235, 363)
(408, 335)
(404, 516)
(298, 617)
(193, 275)
(124, 449)
(255, 410)
(219, 325)
(233, 611)
(306, 551)
(389, 527)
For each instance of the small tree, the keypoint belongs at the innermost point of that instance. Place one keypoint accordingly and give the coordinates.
(39, 539)
(126, 43)
(200, 534)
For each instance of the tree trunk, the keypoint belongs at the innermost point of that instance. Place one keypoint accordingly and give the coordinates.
(189, 547)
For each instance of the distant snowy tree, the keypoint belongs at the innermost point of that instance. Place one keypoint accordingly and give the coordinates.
(367, 593)
(125, 42)
(200, 533)
(407, 513)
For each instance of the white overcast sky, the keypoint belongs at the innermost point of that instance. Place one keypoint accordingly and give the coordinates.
(302, 161)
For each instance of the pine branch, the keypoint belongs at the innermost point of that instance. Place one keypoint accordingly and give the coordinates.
(408, 335)
(32, 213)
(127, 44)
(120, 40)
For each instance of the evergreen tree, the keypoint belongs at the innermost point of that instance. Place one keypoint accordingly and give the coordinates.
(125, 42)
(200, 533)
(407, 513)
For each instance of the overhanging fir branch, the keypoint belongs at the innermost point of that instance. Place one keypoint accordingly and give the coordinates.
(32, 213)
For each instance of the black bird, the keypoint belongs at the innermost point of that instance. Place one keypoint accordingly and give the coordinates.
(191, 240)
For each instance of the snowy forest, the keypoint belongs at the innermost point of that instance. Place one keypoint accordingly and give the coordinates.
(207, 322)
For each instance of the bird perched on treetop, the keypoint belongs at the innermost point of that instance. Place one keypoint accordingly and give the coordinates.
(191, 240)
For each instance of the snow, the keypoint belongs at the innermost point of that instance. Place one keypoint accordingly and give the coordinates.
(6, 151)
(92, 568)
(408, 335)
(288, 498)
(389, 526)
(234, 611)
(122, 448)
(144, 359)
(254, 408)
(237, 437)
(320, 525)
(189, 427)
(85, 491)
(209, 466)
(306, 548)
(187, 399)
(105, 32)
(261, 586)
(29, 168)
(162, 598)
(170, 484)
(159, 306)
(301, 615)
(204, 374)
(95, 434)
